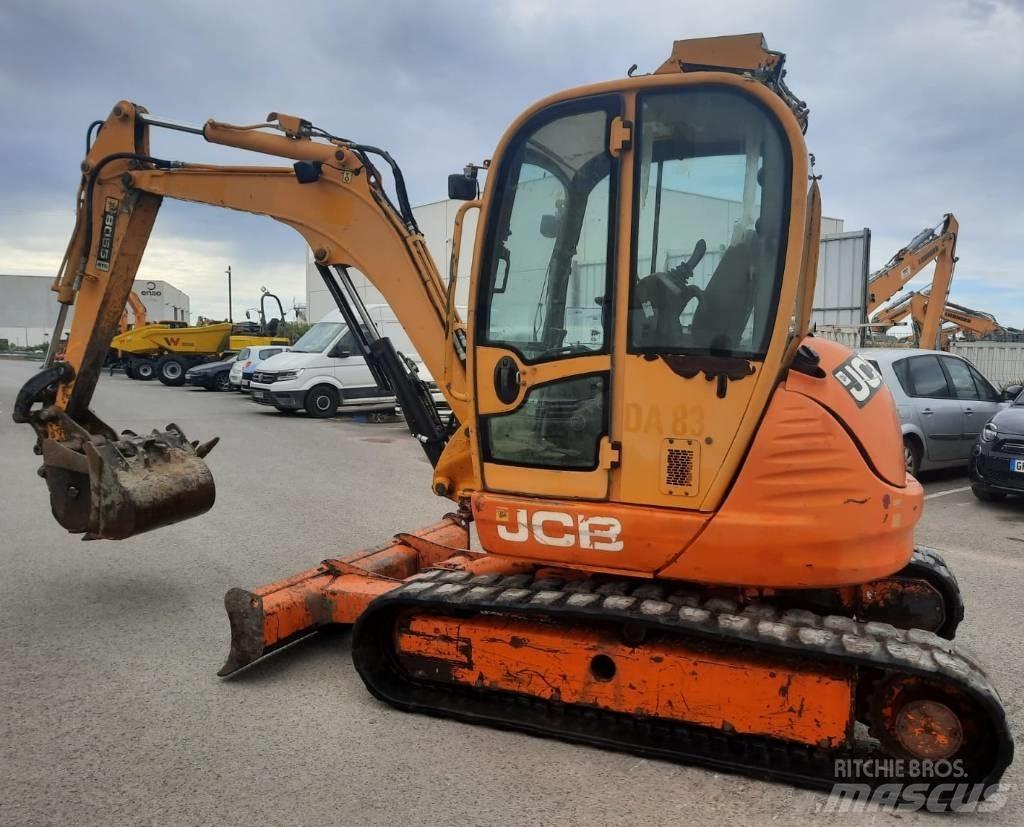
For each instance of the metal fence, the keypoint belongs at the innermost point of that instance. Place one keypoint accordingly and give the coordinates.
(850, 335)
(1001, 362)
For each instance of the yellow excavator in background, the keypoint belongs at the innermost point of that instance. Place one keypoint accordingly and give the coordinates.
(936, 245)
(695, 526)
(138, 317)
(973, 323)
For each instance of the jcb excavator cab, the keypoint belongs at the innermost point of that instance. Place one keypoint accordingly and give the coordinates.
(670, 248)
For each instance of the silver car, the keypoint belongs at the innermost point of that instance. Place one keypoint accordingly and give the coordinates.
(943, 403)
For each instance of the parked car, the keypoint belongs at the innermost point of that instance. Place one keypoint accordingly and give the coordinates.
(249, 357)
(324, 371)
(943, 402)
(213, 376)
(997, 461)
(261, 355)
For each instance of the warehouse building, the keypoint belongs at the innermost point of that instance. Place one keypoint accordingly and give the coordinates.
(28, 308)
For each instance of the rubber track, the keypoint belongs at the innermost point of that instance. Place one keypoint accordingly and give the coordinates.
(927, 564)
(755, 629)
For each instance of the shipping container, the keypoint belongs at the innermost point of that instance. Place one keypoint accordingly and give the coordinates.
(841, 290)
(1001, 362)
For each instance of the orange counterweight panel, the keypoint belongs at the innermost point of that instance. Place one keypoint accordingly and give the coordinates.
(875, 420)
(662, 679)
(806, 510)
(336, 591)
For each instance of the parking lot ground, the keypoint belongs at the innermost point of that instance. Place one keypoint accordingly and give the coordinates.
(112, 713)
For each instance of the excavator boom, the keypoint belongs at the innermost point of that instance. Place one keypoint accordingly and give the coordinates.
(139, 316)
(936, 245)
(332, 195)
(915, 305)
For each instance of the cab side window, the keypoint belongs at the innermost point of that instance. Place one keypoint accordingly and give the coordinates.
(927, 378)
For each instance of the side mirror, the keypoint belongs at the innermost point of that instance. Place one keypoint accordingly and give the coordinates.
(549, 225)
(1011, 392)
(341, 353)
(461, 187)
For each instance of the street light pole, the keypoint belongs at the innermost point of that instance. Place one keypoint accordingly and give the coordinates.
(231, 317)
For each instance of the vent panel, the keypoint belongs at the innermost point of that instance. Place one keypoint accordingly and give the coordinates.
(680, 467)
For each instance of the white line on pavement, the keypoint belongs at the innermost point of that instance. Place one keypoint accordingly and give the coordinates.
(949, 491)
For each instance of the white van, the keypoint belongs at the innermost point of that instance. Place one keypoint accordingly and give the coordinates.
(324, 370)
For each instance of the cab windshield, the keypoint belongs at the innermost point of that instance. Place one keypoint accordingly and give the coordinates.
(318, 337)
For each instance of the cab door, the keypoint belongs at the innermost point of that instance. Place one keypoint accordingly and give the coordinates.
(543, 306)
(705, 316)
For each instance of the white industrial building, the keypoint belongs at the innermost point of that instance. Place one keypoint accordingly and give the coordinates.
(28, 308)
(164, 302)
(695, 215)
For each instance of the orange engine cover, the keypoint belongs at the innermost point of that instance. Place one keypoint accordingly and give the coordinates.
(808, 508)
(822, 500)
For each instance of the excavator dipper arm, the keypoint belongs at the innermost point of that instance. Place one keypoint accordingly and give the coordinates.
(333, 196)
(926, 247)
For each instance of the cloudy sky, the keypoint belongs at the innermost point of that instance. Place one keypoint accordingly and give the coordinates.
(917, 108)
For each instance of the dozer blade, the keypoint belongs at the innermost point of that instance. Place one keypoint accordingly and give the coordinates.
(112, 489)
(337, 591)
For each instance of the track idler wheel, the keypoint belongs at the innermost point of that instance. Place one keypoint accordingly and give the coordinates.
(923, 721)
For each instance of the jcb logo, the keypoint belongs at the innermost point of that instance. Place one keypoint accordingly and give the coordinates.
(556, 528)
(860, 379)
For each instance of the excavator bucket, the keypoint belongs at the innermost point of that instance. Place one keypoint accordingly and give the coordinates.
(114, 489)
(109, 486)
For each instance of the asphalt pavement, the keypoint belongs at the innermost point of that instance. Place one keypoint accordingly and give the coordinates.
(112, 712)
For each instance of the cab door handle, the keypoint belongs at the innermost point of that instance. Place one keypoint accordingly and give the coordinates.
(506, 380)
(926, 411)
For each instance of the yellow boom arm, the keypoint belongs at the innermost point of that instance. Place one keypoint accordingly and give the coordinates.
(333, 196)
(916, 305)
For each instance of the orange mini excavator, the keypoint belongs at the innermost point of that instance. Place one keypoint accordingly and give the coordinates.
(695, 528)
